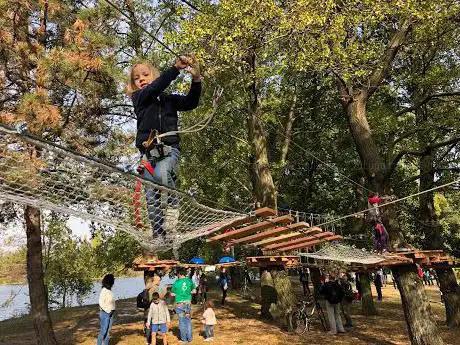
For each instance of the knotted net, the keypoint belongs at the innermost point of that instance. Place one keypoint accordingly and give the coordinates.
(346, 254)
(47, 176)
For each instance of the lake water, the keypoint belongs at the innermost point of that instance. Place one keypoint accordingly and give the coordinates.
(19, 305)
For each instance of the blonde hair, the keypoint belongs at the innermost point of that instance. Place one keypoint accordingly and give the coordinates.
(131, 85)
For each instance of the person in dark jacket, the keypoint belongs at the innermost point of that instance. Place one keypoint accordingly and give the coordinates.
(156, 113)
(223, 281)
(333, 293)
(378, 281)
(347, 299)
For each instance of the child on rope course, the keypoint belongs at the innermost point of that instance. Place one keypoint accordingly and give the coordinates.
(156, 113)
(373, 202)
(380, 237)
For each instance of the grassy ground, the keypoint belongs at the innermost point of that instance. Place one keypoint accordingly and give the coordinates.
(238, 323)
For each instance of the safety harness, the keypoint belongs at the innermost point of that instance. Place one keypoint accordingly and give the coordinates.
(154, 148)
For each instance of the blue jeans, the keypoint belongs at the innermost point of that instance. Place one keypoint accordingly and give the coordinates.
(106, 326)
(165, 174)
(185, 321)
(209, 331)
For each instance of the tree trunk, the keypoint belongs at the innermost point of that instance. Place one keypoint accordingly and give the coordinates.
(431, 228)
(417, 310)
(451, 294)
(418, 319)
(35, 277)
(288, 131)
(268, 293)
(262, 181)
(286, 297)
(367, 301)
(315, 275)
(371, 161)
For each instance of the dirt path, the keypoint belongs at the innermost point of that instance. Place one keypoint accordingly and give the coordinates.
(238, 323)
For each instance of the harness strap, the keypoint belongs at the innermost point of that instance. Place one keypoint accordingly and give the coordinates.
(145, 164)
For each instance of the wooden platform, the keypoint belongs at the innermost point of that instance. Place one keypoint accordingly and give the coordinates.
(271, 232)
(429, 258)
(151, 263)
(425, 258)
(286, 261)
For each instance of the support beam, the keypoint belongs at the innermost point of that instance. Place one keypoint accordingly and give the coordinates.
(251, 228)
(265, 212)
(310, 244)
(271, 232)
(289, 236)
(299, 240)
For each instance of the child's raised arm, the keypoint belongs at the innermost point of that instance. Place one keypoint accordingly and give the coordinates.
(191, 100)
(160, 84)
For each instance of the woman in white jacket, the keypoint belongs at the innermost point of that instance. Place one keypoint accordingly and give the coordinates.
(107, 309)
(158, 318)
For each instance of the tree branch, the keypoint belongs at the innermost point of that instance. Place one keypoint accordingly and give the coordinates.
(382, 71)
(426, 151)
(426, 100)
(288, 130)
(415, 178)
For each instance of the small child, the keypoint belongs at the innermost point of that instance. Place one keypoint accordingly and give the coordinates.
(158, 318)
(209, 321)
(380, 237)
(373, 204)
(157, 113)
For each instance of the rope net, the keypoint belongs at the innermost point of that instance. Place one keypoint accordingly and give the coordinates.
(40, 174)
(346, 254)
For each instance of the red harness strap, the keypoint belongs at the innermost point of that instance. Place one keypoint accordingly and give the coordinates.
(145, 164)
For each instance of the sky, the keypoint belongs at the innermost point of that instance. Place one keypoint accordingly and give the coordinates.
(13, 236)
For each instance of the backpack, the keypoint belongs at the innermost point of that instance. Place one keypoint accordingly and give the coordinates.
(335, 293)
(143, 301)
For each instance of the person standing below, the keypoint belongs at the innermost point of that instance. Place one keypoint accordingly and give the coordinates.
(196, 281)
(209, 320)
(304, 278)
(223, 283)
(203, 287)
(107, 309)
(347, 299)
(182, 291)
(333, 293)
(144, 300)
(158, 319)
(358, 285)
(378, 281)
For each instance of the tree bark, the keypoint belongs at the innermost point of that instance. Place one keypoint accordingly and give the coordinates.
(451, 294)
(418, 319)
(35, 277)
(367, 301)
(268, 293)
(262, 181)
(288, 130)
(417, 310)
(431, 228)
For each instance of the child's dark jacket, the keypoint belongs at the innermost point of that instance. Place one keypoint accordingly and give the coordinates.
(155, 109)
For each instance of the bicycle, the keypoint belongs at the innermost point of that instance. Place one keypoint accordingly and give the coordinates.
(301, 318)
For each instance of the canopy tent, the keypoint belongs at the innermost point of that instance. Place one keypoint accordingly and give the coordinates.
(198, 260)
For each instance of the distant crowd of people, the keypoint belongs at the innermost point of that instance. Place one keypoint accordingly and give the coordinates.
(175, 291)
(177, 288)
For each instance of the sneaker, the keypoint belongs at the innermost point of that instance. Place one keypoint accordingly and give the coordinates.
(332, 333)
